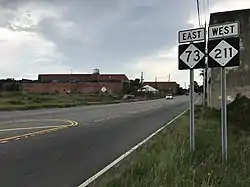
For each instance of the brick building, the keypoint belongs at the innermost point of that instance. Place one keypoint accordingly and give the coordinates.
(82, 78)
(89, 83)
(238, 78)
(77, 83)
(76, 87)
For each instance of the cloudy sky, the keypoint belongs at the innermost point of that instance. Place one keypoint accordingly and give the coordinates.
(116, 36)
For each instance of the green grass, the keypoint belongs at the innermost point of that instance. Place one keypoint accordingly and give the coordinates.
(166, 160)
(21, 101)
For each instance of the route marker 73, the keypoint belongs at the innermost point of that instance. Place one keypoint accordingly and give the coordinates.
(191, 56)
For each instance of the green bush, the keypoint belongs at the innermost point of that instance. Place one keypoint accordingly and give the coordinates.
(41, 99)
(16, 102)
(7, 94)
(239, 112)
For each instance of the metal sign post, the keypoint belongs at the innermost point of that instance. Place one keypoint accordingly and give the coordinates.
(223, 115)
(191, 118)
(191, 56)
(223, 49)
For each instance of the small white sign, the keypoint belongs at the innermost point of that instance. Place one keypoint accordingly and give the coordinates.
(223, 30)
(223, 53)
(103, 89)
(191, 56)
(191, 35)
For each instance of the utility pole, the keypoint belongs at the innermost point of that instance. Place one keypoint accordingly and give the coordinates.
(142, 80)
(168, 77)
(156, 82)
(205, 70)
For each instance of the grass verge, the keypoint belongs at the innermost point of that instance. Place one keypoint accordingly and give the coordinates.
(166, 160)
(21, 101)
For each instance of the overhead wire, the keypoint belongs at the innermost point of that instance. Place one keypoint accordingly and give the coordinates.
(203, 11)
(198, 11)
(208, 9)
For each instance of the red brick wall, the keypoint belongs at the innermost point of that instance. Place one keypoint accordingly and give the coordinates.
(81, 77)
(82, 87)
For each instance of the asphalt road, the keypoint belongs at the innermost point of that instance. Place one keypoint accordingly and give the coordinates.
(70, 156)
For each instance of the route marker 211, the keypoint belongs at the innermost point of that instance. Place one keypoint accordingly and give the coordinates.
(223, 45)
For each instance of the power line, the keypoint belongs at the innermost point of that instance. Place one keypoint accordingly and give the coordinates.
(208, 8)
(198, 11)
(206, 11)
(203, 10)
(205, 71)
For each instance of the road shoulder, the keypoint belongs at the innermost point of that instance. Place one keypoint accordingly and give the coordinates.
(166, 160)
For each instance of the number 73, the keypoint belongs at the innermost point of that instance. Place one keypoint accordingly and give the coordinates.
(196, 57)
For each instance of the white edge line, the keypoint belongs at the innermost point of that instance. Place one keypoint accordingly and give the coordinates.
(144, 110)
(99, 120)
(133, 112)
(120, 158)
(112, 117)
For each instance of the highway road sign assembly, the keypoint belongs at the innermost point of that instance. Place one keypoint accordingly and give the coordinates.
(223, 45)
(192, 53)
(191, 56)
(223, 51)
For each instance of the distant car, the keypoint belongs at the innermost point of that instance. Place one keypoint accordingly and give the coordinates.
(186, 93)
(169, 96)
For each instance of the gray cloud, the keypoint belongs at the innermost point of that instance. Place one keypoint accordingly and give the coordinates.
(110, 33)
(116, 33)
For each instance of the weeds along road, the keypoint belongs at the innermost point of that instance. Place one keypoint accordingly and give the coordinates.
(64, 147)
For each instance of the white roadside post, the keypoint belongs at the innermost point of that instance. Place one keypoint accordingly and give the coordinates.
(223, 49)
(191, 56)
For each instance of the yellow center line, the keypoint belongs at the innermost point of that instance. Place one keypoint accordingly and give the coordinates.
(30, 128)
(71, 123)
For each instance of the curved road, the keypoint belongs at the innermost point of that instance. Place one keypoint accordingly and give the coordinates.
(69, 156)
